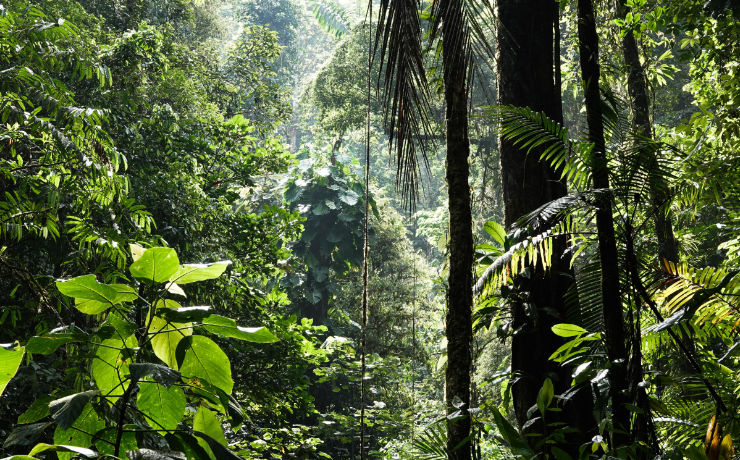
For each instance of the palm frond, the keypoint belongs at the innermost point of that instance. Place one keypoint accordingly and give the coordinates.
(331, 16)
(583, 298)
(531, 239)
(640, 171)
(398, 44)
(530, 130)
(709, 294)
(432, 442)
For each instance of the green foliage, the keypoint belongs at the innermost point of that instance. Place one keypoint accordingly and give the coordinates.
(330, 16)
(131, 389)
(329, 198)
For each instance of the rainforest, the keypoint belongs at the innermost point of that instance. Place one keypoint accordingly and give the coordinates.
(369, 229)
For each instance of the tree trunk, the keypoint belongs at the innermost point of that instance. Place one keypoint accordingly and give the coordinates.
(611, 299)
(637, 88)
(527, 77)
(458, 323)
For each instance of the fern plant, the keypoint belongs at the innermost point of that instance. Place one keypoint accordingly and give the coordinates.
(707, 296)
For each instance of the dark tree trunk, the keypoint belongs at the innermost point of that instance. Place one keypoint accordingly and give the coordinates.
(637, 88)
(611, 299)
(667, 246)
(527, 77)
(458, 324)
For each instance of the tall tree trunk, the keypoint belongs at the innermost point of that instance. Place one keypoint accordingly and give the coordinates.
(458, 321)
(611, 299)
(667, 246)
(638, 94)
(526, 60)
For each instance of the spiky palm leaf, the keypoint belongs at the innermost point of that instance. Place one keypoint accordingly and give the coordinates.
(464, 27)
(531, 130)
(398, 42)
(530, 241)
(711, 295)
(331, 16)
(432, 442)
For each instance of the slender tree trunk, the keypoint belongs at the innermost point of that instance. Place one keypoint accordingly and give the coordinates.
(638, 94)
(527, 61)
(460, 290)
(612, 304)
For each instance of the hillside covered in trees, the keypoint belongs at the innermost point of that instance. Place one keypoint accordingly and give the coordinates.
(305, 229)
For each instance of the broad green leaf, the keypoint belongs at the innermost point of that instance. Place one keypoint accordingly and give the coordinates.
(65, 411)
(174, 288)
(95, 297)
(497, 232)
(159, 373)
(190, 273)
(109, 368)
(349, 197)
(227, 327)
(568, 330)
(80, 434)
(166, 337)
(167, 334)
(105, 439)
(25, 435)
(10, 361)
(42, 447)
(122, 326)
(155, 264)
(231, 407)
(36, 411)
(201, 358)
(544, 397)
(320, 209)
(136, 251)
(93, 307)
(188, 444)
(184, 314)
(207, 422)
(49, 343)
(164, 406)
(219, 451)
(509, 433)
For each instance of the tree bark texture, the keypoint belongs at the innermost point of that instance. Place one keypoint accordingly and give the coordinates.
(610, 293)
(458, 323)
(638, 94)
(526, 63)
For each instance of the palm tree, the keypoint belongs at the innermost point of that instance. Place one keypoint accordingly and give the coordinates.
(612, 303)
(527, 70)
(400, 43)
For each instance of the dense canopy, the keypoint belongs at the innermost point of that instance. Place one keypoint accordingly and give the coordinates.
(302, 229)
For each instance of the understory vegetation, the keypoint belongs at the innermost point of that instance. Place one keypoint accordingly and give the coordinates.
(288, 229)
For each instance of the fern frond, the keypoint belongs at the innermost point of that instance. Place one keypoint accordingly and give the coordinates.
(331, 16)
(432, 442)
(529, 130)
(710, 294)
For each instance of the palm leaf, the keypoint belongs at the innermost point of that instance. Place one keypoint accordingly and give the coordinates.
(530, 130)
(432, 442)
(398, 42)
(331, 16)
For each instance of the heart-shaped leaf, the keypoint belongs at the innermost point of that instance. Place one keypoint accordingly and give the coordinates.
(156, 265)
(92, 297)
(164, 406)
(191, 273)
(201, 358)
(10, 360)
(227, 327)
